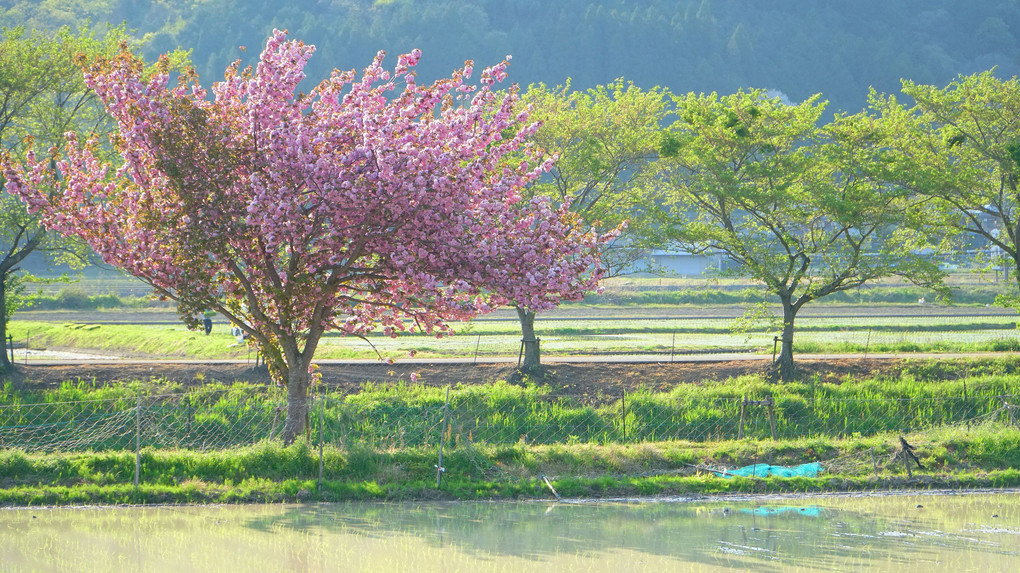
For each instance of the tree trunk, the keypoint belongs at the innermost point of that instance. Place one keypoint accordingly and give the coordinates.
(7, 267)
(5, 363)
(1016, 269)
(784, 362)
(532, 362)
(297, 402)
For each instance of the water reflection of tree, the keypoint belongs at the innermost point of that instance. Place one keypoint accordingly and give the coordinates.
(761, 538)
(536, 531)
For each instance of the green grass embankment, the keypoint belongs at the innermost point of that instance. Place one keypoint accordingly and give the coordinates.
(272, 473)
(128, 340)
(503, 438)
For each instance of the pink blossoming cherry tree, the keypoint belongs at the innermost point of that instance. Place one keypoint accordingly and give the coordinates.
(371, 202)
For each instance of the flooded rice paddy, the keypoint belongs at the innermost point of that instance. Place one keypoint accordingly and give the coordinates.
(961, 532)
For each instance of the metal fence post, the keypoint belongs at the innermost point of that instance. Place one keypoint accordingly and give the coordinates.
(624, 407)
(322, 415)
(138, 439)
(772, 416)
(743, 409)
(966, 409)
(442, 439)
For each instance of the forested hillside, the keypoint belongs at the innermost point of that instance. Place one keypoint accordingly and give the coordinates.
(798, 47)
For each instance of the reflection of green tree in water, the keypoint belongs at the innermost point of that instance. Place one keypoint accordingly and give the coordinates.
(734, 535)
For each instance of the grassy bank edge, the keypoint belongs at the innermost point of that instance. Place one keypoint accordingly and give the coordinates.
(306, 491)
(270, 473)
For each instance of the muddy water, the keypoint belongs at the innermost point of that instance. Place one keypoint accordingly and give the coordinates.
(973, 532)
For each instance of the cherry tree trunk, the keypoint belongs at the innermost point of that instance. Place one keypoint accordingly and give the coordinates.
(532, 361)
(297, 402)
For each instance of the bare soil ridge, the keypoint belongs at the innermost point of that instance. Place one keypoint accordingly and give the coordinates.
(589, 380)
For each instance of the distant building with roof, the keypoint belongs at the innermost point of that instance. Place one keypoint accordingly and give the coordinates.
(684, 263)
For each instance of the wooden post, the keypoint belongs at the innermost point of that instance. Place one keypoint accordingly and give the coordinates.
(672, 347)
(743, 408)
(772, 416)
(477, 344)
(907, 451)
(904, 454)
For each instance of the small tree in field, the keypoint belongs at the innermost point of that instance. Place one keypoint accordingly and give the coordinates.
(789, 201)
(351, 208)
(604, 139)
(42, 94)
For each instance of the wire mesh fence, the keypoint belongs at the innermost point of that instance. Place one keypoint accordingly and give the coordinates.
(228, 418)
(196, 420)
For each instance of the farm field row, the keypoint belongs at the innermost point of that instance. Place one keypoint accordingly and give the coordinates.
(849, 313)
(596, 331)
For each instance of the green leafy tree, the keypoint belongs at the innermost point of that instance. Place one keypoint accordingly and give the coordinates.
(958, 150)
(42, 93)
(789, 201)
(604, 139)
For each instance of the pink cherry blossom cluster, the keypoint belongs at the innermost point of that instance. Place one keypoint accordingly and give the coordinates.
(370, 202)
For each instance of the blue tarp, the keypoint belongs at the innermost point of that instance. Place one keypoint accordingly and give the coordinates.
(809, 510)
(766, 470)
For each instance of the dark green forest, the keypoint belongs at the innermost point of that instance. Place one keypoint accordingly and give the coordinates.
(797, 47)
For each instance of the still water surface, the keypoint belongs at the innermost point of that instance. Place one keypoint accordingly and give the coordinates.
(973, 532)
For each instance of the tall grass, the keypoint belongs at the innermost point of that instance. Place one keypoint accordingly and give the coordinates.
(401, 416)
(82, 415)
